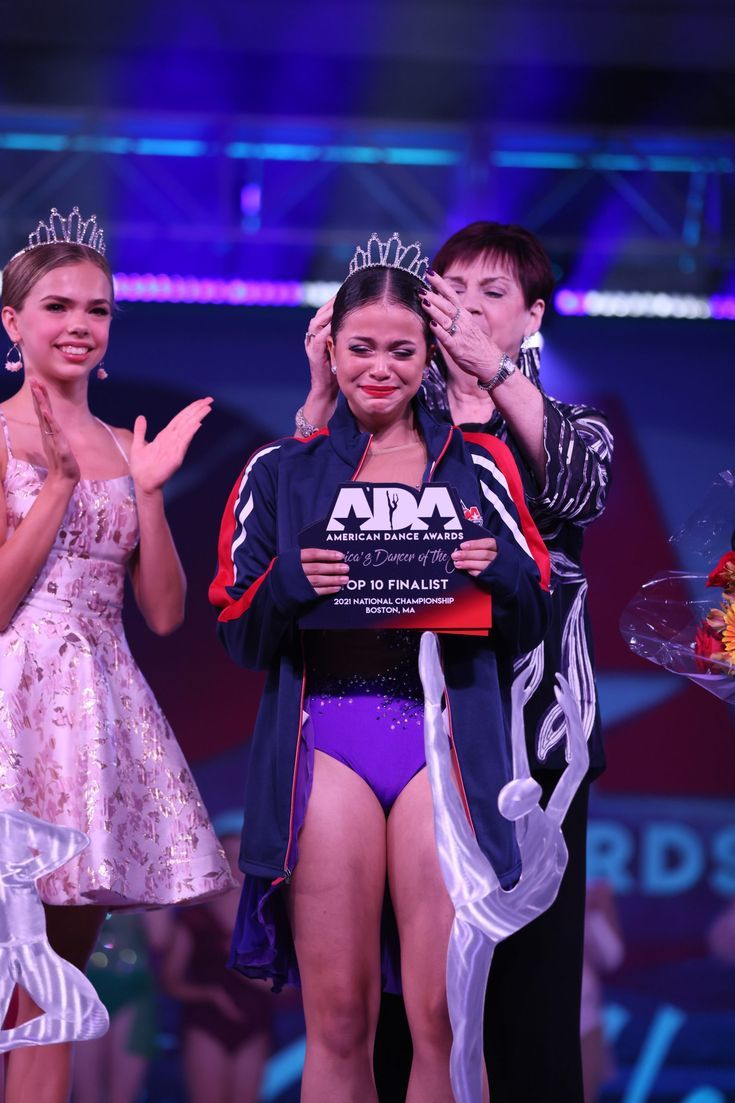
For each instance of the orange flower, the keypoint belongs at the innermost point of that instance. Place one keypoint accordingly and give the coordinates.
(724, 573)
(715, 637)
(728, 633)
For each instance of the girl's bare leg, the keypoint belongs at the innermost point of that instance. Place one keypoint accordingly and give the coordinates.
(335, 904)
(424, 914)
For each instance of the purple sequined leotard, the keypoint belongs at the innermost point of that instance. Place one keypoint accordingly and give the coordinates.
(365, 705)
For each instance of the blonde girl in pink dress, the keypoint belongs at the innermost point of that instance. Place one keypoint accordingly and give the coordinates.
(83, 741)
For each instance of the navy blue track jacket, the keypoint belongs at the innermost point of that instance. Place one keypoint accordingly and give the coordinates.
(261, 590)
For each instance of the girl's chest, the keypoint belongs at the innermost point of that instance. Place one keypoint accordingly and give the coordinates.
(101, 518)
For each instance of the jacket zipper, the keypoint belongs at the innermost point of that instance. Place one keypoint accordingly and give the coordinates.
(440, 457)
(362, 459)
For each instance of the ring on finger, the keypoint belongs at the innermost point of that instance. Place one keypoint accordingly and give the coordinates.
(309, 335)
(452, 329)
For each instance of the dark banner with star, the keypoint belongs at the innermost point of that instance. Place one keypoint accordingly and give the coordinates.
(398, 544)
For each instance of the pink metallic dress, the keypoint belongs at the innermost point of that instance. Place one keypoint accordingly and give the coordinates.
(83, 741)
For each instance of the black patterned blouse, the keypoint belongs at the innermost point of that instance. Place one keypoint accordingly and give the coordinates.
(579, 446)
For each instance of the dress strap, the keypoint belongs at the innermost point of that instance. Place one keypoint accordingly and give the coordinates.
(6, 433)
(119, 446)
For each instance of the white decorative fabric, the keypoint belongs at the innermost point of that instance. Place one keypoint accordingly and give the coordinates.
(72, 1011)
(485, 914)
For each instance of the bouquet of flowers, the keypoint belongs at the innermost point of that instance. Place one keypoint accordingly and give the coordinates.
(674, 620)
(715, 638)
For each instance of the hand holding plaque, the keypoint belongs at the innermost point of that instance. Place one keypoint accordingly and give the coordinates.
(397, 544)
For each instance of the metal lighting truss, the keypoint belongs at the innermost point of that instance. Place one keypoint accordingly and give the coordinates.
(276, 198)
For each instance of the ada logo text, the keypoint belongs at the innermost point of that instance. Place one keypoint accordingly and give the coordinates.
(390, 508)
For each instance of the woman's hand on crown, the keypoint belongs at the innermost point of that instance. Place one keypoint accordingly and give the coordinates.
(458, 333)
(315, 342)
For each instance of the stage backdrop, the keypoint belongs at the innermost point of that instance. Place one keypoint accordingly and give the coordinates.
(663, 829)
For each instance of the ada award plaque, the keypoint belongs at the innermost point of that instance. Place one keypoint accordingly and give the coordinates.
(398, 544)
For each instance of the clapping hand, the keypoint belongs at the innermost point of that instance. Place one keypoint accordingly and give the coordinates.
(60, 460)
(152, 464)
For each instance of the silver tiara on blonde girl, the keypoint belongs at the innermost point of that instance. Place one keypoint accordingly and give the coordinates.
(390, 254)
(74, 230)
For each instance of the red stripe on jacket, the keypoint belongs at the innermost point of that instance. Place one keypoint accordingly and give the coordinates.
(503, 456)
(236, 609)
(225, 576)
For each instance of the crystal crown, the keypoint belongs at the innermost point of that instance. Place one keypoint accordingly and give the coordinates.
(390, 254)
(73, 229)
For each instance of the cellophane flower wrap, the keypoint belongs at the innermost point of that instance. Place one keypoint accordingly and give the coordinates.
(684, 621)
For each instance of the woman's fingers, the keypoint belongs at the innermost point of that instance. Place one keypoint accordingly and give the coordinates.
(315, 343)
(482, 543)
(439, 286)
(139, 429)
(44, 413)
(319, 561)
(474, 556)
(461, 338)
(59, 456)
(194, 412)
(42, 406)
(321, 321)
(441, 301)
(449, 326)
(321, 555)
(438, 309)
(326, 570)
(178, 434)
(152, 464)
(188, 427)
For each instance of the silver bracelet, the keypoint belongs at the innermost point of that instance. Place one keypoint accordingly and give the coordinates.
(303, 427)
(506, 369)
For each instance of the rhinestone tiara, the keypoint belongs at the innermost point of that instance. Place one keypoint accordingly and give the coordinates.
(390, 254)
(73, 229)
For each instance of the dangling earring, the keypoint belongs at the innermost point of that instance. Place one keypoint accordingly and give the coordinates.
(101, 373)
(14, 365)
(526, 343)
(334, 369)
